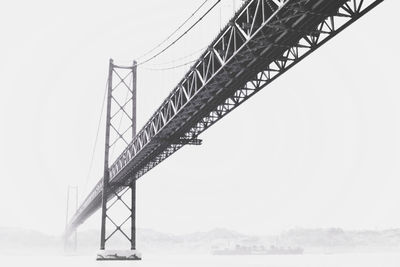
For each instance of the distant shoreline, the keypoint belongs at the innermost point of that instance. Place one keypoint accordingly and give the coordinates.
(321, 241)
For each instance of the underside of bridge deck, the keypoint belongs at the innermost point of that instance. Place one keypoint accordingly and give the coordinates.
(263, 40)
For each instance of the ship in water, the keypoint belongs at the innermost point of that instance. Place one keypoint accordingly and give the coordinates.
(257, 250)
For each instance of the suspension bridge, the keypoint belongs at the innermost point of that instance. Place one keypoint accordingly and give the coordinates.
(263, 40)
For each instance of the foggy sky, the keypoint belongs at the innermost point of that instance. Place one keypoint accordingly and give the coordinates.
(319, 147)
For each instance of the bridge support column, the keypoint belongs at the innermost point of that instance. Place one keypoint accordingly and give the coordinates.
(133, 183)
(120, 130)
(133, 215)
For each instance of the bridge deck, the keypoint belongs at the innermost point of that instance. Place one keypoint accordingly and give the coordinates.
(263, 40)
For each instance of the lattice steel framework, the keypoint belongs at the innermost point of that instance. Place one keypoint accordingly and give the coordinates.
(120, 130)
(263, 40)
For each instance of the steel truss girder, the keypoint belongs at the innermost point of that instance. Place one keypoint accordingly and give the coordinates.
(262, 41)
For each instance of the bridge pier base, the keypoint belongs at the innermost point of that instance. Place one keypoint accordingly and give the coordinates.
(109, 255)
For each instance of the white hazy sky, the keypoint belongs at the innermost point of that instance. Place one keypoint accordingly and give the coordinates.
(319, 147)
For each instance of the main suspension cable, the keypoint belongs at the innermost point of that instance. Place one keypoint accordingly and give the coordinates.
(181, 36)
(173, 67)
(179, 58)
(97, 136)
(177, 29)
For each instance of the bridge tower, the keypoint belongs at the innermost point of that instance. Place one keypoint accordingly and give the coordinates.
(117, 198)
(71, 242)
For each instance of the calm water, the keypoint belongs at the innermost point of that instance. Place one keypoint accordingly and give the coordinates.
(312, 260)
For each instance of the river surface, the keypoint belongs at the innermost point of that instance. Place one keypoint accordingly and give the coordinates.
(151, 260)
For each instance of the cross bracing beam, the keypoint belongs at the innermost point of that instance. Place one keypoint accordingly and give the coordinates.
(262, 41)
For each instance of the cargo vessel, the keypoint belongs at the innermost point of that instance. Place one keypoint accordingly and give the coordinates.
(257, 250)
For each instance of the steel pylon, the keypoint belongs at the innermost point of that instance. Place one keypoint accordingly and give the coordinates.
(71, 242)
(120, 130)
